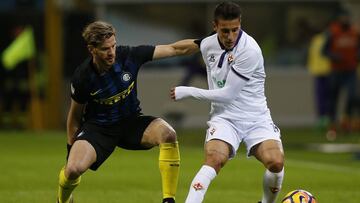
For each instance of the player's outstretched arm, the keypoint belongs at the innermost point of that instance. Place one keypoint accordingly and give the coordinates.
(236, 79)
(182, 47)
(227, 94)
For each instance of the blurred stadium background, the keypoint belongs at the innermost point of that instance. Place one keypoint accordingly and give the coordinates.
(34, 98)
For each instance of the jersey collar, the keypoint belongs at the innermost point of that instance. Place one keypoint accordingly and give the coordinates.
(236, 42)
(221, 61)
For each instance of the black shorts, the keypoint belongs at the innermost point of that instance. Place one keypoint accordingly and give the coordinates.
(127, 134)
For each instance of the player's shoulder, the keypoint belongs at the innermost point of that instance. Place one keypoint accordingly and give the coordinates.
(247, 42)
(129, 50)
(135, 53)
(83, 67)
(248, 46)
(122, 51)
(83, 71)
(209, 39)
(209, 42)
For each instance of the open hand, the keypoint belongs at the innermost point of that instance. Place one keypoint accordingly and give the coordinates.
(172, 93)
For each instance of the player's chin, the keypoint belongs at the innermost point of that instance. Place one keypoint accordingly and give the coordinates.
(229, 45)
(110, 62)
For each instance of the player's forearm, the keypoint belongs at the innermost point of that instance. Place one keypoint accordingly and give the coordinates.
(73, 121)
(72, 128)
(185, 47)
(182, 47)
(217, 95)
(227, 94)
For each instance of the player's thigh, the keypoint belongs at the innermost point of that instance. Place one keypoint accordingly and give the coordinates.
(217, 152)
(268, 150)
(222, 130)
(144, 132)
(102, 140)
(81, 157)
(158, 131)
(259, 132)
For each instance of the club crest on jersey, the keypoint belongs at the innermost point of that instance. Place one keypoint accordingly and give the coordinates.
(230, 58)
(126, 76)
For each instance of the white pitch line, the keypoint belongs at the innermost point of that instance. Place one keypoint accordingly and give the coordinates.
(321, 166)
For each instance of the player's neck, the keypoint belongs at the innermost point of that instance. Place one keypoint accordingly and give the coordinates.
(100, 67)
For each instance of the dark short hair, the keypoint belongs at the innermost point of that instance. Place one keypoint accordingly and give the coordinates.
(95, 33)
(227, 10)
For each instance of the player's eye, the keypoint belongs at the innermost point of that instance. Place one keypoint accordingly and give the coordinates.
(235, 29)
(225, 31)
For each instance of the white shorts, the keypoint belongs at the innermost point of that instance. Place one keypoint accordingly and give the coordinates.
(235, 132)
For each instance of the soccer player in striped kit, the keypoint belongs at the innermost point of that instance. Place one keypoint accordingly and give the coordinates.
(239, 112)
(105, 112)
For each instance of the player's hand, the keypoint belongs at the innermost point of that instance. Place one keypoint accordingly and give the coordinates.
(172, 93)
(180, 92)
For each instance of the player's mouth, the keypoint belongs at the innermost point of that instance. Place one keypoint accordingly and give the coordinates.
(229, 44)
(110, 60)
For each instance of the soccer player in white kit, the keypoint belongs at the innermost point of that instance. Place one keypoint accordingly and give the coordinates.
(239, 112)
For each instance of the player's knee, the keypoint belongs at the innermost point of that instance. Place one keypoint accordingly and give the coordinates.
(276, 165)
(168, 135)
(215, 160)
(73, 171)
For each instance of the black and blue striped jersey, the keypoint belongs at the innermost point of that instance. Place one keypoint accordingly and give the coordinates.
(111, 96)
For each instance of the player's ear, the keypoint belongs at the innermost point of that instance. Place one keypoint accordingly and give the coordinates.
(91, 49)
(214, 25)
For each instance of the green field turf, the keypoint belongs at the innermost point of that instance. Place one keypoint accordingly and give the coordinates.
(30, 162)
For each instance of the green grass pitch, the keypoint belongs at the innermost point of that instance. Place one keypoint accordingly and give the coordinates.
(30, 162)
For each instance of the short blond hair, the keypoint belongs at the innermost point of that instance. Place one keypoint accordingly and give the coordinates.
(95, 33)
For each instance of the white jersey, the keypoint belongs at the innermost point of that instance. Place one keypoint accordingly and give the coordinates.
(247, 62)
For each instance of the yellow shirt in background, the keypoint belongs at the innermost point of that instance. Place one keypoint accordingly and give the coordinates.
(317, 63)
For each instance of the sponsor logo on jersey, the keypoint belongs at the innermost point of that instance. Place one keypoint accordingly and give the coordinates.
(212, 58)
(221, 83)
(117, 97)
(126, 76)
(95, 93)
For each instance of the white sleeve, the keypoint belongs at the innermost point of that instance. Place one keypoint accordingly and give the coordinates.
(246, 63)
(234, 83)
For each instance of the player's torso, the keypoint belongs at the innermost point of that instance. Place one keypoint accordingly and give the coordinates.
(113, 95)
(218, 61)
(113, 87)
(218, 67)
(250, 101)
